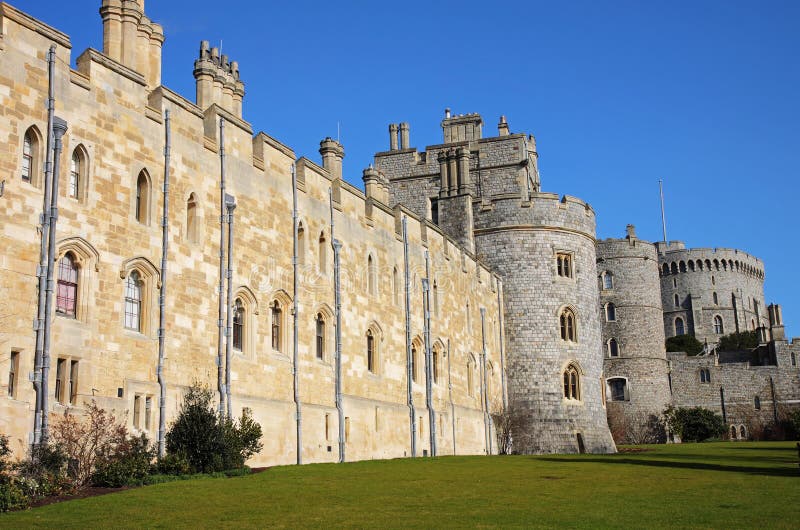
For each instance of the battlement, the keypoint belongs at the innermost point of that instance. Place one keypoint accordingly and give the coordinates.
(218, 81)
(629, 246)
(681, 260)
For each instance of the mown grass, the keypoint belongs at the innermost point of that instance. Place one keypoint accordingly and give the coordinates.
(755, 485)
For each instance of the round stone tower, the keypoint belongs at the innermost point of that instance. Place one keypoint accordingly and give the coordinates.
(636, 369)
(710, 292)
(544, 249)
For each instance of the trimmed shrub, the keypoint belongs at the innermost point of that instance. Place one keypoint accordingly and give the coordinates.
(695, 424)
(207, 441)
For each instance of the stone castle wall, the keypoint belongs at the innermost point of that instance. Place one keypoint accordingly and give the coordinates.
(119, 122)
(746, 390)
(519, 231)
(637, 327)
(695, 275)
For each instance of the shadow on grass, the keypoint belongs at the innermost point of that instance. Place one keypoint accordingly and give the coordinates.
(750, 470)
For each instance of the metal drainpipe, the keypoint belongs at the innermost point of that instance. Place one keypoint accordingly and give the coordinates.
(295, 370)
(221, 314)
(450, 391)
(409, 378)
(41, 272)
(162, 293)
(722, 403)
(337, 247)
(59, 128)
(426, 306)
(502, 349)
(486, 426)
(230, 206)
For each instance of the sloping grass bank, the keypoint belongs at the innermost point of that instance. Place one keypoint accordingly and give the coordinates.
(754, 485)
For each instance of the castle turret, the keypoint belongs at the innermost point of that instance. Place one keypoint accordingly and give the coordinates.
(332, 154)
(776, 322)
(217, 81)
(636, 373)
(375, 185)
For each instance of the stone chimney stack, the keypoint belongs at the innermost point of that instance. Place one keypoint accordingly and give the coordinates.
(392, 137)
(461, 128)
(630, 232)
(502, 127)
(376, 185)
(404, 137)
(217, 81)
(132, 39)
(462, 153)
(332, 155)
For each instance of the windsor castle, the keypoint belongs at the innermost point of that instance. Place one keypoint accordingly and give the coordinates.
(170, 243)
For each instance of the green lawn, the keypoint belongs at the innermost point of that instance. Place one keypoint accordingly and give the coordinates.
(754, 485)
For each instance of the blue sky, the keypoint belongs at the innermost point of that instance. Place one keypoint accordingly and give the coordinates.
(702, 94)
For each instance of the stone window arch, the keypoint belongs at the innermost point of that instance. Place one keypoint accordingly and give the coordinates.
(572, 382)
(323, 333)
(742, 432)
(437, 353)
(471, 364)
(607, 280)
(396, 285)
(564, 266)
(67, 286)
(665, 269)
(794, 359)
(757, 402)
(416, 356)
(142, 197)
(691, 266)
(373, 338)
(680, 327)
(708, 264)
(617, 389)
(719, 328)
(674, 268)
(699, 264)
(435, 297)
(733, 432)
(192, 219)
(568, 324)
(372, 275)
(611, 312)
(716, 264)
(85, 261)
(301, 244)
(31, 163)
(78, 184)
(682, 266)
(613, 347)
(278, 311)
(715, 298)
(705, 375)
(141, 281)
(322, 253)
(677, 300)
(243, 321)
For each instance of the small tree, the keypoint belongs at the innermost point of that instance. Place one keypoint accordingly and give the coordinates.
(507, 423)
(684, 343)
(694, 424)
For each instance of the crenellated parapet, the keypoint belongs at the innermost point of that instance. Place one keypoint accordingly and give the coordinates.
(217, 80)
